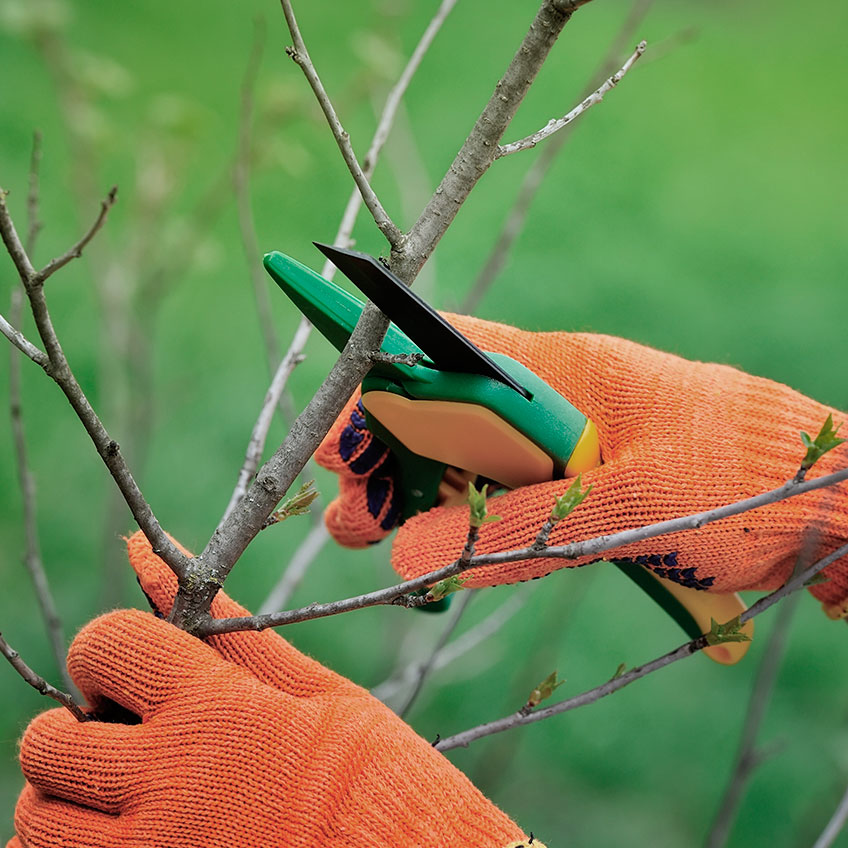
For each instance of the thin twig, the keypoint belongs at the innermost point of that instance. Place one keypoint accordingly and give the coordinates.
(556, 124)
(60, 371)
(34, 224)
(24, 345)
(32, 555)
(835, 825)
(259, 434)
(424, 668)
(294, 572)
(39, 683)
(599, 544)
(477, 153)
(748, 757)
(535, 176)
(402, 593)
(300, 55)
(76, 250)
(241, 183)
(451, 652)
(395, 96)
(521, 717)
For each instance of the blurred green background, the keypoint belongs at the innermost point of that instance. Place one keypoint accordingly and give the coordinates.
(700, 209)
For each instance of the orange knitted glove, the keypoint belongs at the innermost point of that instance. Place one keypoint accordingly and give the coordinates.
(241, 742)
(368, 506)
(676, 437)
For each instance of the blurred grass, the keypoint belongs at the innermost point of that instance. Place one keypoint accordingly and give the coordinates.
(700, 209)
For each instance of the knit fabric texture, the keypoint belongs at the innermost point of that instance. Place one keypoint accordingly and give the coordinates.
(241, 741)
(677, 437)
(368, 507)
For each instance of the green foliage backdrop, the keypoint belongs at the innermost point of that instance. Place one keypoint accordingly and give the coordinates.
(700, 209)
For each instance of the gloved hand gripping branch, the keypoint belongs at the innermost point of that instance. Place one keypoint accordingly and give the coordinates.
(241, 742)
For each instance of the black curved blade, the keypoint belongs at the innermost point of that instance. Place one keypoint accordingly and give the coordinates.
(448, 349)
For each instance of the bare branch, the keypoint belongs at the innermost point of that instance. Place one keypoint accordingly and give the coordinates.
(76, 251)
(393, 100)
(515, 220)
(34, 224)
(300, 55)
(522, 717)
(748, 757)
(259, 434)
(556, 124)
(402, 593)
(835, 825)
(60, 371)
(241, 183)
(39, 683)
(294, 572)
(13, 241)
(211, 568)
(397, 358)
(478, 152)
(451, 652)
(32, 556)
(598, 545)
(424, 669)
(25, 346)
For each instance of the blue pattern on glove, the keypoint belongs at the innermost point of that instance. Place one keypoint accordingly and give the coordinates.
(666, 566)
(376, 461)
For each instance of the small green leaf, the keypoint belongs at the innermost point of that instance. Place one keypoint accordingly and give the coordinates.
(298, 504)
(545, 689)
(730, 631)
(619, 672)
(824, 442)
(445, 587)
(479, 509)
(817, 579)
(567, 503)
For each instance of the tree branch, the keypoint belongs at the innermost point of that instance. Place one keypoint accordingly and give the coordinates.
(522, 717)
(533, 179)
(556, 124)
(747, 756)
(211, 568)
(32, 555)
(300, 55)
(23, 344)
(598, 545)
(835, 825)
(478, 152)
(76, 251)
(60, 371)
(241, 183)
(294, 572)
(39, 683)
(402, 593)
(428, 665)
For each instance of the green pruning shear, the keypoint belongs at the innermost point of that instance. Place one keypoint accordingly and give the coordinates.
(452, 413)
